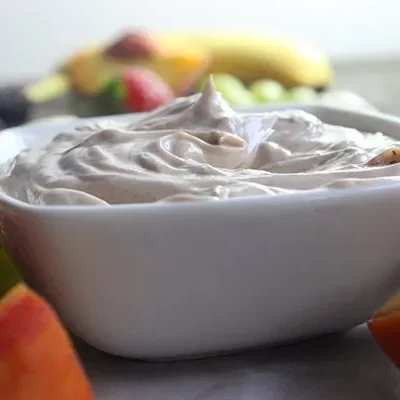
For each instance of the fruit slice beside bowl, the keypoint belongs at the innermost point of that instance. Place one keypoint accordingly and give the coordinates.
(36, 355)
(384, 326)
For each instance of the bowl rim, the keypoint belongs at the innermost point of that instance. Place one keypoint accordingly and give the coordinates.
(298, 197)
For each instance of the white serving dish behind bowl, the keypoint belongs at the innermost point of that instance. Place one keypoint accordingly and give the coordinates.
(161, 281)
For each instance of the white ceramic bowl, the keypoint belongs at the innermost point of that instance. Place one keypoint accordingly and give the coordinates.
(157, 281)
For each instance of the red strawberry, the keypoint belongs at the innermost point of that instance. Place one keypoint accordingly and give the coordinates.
(145, 90)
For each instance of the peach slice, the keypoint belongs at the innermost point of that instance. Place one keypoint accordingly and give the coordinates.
(385, 328)
(37, 359)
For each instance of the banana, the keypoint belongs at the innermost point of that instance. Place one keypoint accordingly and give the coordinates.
(253, 57)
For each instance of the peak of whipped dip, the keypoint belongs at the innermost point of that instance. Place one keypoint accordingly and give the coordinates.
(197, 148)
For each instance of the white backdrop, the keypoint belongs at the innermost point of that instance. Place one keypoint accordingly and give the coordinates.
(35, 34)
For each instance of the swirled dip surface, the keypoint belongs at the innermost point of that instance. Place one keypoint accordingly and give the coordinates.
(197, 148)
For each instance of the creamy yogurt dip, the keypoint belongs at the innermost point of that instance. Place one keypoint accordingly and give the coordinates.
(198, 148)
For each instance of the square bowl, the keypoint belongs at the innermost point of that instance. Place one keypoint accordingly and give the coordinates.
(164, 281)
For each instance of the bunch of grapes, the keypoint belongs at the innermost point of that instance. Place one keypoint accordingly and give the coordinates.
(261, 92)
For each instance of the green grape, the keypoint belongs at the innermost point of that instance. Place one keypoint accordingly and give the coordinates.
(232, 90)
(302, 95)
(268, 91)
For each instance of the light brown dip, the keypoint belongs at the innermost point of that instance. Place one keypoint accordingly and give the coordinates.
(197, 148)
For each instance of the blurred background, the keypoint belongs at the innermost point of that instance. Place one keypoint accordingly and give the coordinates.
(358, 38)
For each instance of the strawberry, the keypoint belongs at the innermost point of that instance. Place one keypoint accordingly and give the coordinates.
(145, 90)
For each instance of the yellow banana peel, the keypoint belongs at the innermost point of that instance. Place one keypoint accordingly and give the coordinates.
(253, 57)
